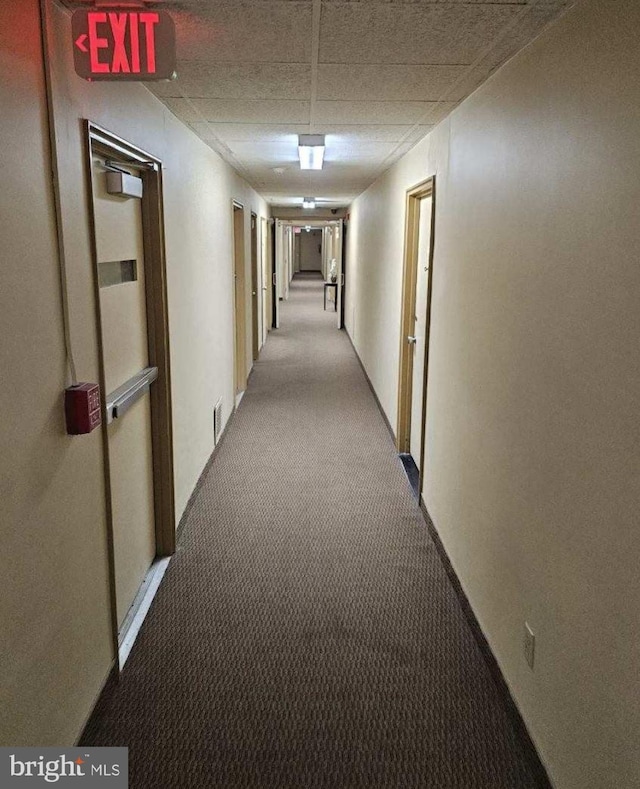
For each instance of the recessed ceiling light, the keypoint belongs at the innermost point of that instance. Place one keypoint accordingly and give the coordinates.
(311, 151)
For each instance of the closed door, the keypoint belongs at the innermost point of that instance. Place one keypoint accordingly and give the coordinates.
(120, 251)
(255, 288)
(278, 263)
(343, 275)
(420, 332)
(239, 300)
(336, 254)
(266, 278)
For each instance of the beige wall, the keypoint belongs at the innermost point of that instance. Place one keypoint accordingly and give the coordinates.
(54, 614)
(54, 618)
(532, 470)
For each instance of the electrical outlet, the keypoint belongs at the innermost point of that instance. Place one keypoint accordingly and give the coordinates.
(529, 645)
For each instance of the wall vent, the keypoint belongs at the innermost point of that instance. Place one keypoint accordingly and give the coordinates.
(217, 421)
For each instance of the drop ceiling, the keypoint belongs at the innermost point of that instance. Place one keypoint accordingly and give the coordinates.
(373, 76)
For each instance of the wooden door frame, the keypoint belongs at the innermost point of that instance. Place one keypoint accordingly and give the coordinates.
(239, 301)
(343, 285)
(336, 244)
(414, 195)
(255, 287)
(266, 277)
(274, 277)
(101, 141)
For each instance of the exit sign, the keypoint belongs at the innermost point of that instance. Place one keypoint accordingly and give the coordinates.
(119, 45)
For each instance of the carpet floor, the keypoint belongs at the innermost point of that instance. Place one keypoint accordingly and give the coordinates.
(306, 633)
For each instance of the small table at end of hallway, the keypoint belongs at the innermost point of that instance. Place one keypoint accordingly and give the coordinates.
(333, 285)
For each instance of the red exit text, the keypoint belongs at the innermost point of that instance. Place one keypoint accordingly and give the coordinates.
(117, 45)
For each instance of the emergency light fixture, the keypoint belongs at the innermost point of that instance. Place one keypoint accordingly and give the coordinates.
(311, 151)
(308, 202)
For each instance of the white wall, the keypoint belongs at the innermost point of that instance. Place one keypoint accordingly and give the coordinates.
(532, 470)
(54, 607)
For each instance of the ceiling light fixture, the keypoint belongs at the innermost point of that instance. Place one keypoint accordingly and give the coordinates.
(308, 202)
(311, 151)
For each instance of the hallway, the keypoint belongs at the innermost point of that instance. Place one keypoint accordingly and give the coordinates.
(306, 633)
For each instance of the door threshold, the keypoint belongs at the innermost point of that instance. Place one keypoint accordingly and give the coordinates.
(140, 608)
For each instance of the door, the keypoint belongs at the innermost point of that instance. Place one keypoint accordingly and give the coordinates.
(239, 300)
(264, 281)
(336, 253)
(414, 329)
(325, 253)
(286, 273)
(255, 288)
(420, 332)
(123, 317)
(343, 276)
(276, 277)
(266, 278)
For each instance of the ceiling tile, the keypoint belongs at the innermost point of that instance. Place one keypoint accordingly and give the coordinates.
(528, 27)
(183, 109)
(244, 31)
(453, 2)
(203, 130)
(241, 111)
(263, 132)
(388, 71)
(356, 133)
(409, 32)
(272, 154)
(239, 81)
(164, 89)
(388, 82)
(375, 113)
(436, 2)
(357, 152)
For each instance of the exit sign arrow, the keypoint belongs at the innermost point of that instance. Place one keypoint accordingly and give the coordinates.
(120, 45)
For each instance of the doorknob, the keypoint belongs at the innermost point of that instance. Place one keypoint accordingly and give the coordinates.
(412, 340)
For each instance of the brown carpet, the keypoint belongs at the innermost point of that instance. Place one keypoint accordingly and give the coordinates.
(306, 633)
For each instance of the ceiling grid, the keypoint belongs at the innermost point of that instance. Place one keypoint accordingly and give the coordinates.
(373, 76)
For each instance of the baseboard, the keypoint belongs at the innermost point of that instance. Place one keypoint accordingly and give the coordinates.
(373, 391)
(516, 719)
(136, 615)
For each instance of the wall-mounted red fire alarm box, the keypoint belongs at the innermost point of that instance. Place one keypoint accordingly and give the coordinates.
(82, 408)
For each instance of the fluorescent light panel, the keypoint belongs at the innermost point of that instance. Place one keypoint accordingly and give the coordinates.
(311, 151)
